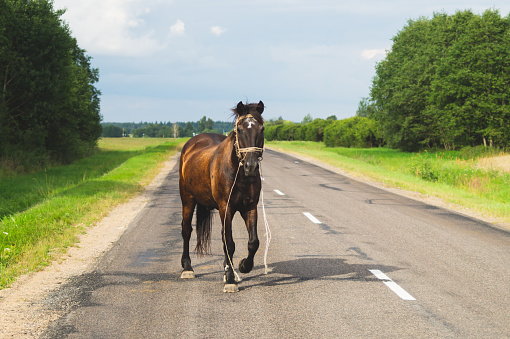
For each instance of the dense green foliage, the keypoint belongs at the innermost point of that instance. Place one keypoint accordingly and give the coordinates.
(445, 83)
(351, 132)
(49, 107)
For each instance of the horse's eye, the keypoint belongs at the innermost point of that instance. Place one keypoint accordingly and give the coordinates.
(263, 128)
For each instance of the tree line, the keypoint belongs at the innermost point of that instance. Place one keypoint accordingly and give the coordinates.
(445, 83)
(352, 132)
(165, 129)
(49, 106)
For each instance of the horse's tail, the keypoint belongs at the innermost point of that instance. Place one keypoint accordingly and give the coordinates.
(204, 223)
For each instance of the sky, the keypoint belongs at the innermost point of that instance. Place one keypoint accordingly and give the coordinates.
(180, 60)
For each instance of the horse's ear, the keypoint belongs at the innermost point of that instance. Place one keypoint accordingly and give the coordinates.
(260, 107)
(240, 109)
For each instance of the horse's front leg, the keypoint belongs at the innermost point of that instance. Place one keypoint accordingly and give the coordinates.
(250, 219)
(229, 248)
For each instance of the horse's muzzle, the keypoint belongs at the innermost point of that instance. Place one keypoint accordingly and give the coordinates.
(251, 165)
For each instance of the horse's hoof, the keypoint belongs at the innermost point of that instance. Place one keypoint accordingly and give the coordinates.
(237, 278)
(244, 268)
(187, 275)
(230, 288)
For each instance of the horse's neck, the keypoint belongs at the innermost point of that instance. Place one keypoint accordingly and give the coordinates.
(229, 150)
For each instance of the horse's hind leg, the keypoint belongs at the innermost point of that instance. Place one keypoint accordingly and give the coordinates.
(187, 216)
(250, 219)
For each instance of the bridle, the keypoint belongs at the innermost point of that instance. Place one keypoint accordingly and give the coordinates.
(243, 152)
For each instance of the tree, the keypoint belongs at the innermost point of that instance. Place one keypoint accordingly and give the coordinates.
(205, 124)
(188, 130)
(445, 83)
(49, 107)
(366, 108)
(307, 119)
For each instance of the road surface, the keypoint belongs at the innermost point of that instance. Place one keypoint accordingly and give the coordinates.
(346, 259)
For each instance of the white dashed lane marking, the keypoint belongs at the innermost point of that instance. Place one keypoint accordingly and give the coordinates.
(379, 275)
(392, 285)
(279, 192)
(312, 218)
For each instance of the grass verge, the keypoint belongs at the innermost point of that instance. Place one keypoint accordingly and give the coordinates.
(459, 177)
(41, 214)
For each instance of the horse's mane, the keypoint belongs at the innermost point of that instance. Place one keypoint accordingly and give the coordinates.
(251, 109)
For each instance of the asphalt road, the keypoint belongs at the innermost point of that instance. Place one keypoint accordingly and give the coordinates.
(347, 260)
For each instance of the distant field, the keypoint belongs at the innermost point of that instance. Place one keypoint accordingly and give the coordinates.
(475, 178)
(130, 144)
(41, 213)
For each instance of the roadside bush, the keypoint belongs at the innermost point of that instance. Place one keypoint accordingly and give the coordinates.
(353, 132)
(271, 132)
(422, 167)
(287, 132)
(314, 131)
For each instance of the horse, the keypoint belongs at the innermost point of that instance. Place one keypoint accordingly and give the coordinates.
(218, 172)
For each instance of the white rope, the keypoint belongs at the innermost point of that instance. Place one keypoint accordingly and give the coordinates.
(225, 218)
(266, 224)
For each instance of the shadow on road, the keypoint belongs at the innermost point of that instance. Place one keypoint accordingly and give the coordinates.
(315, 268)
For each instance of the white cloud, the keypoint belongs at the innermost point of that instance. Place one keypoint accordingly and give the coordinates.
(111, 27)
(217, 30)
(369, 54)
(178, 28)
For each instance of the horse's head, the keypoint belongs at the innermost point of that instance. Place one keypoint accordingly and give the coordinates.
(249, 134)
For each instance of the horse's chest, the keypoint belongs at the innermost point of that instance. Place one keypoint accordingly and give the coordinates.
(247, 194)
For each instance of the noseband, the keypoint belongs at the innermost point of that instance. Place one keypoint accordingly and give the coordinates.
(242, 152)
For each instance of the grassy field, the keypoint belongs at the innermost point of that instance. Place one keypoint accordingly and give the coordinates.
(474, 178)
(42, 213)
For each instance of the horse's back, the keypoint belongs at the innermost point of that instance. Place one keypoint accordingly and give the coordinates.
(202, 142)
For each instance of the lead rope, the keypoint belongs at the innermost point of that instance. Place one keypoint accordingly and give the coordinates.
(266, 224)
(225, 218)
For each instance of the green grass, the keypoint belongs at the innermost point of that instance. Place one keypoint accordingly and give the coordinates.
(41, 214)
(454, 176)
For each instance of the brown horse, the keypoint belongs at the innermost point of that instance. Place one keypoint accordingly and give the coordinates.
(219, 172)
